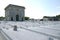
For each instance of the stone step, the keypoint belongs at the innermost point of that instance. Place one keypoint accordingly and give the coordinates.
(2, 37)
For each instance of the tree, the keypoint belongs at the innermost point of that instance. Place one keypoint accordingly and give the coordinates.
(2, 18)
(57, 16)
(46, 17)
(26, 18)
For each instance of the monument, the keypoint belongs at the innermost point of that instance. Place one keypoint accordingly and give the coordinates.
(14, 13)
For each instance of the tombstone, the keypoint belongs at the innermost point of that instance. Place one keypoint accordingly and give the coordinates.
(15, 28)
(51, 38)
(7, 28)
(3, 27)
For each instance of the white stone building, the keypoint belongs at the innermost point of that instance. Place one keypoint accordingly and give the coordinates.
(14, 13)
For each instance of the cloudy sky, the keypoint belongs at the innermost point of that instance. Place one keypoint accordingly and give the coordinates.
(34, 8)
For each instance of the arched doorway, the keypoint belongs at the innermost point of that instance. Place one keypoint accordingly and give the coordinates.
(11, 18)
(22, 19)
(17, 17)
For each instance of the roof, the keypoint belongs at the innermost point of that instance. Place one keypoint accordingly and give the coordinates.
(10, 5)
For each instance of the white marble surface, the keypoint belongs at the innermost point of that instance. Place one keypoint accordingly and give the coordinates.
(28, 31)
(2, 37)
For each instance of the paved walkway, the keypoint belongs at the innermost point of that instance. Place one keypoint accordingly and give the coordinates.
(2, 37)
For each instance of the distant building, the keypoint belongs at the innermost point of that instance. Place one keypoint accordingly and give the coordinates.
(45, 19)
(50, 18)
(14, 13)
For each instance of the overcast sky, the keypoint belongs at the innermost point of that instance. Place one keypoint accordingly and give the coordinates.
(34, 8)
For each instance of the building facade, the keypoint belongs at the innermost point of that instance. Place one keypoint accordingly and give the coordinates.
(14, 13)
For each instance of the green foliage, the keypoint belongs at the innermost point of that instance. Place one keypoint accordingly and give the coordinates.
(57, 16)
(46, 17)
(2, 18)
(49, 17)
(26, 18)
